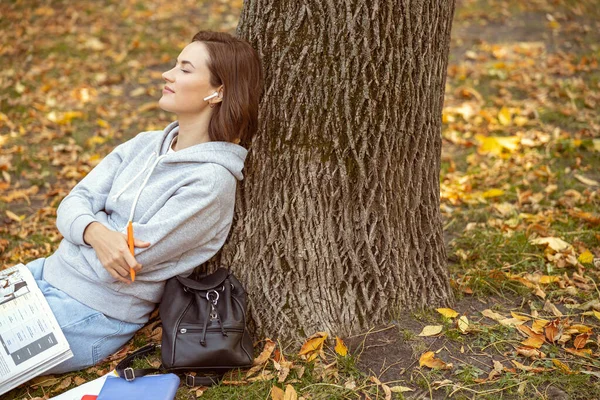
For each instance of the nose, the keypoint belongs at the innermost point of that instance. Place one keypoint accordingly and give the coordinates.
(167, 75)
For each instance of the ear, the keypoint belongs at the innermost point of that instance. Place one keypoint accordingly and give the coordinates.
(219, 98)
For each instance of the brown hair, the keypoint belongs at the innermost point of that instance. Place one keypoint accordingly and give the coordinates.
(235, 65)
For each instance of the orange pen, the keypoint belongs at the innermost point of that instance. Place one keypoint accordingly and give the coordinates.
(130, 242)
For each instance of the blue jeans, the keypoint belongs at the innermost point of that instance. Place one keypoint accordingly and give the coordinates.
(92, 335)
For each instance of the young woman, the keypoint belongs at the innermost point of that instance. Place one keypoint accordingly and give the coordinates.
(176, 186)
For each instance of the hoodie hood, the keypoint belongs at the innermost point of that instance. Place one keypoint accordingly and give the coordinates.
(226, 154)
(229, 155)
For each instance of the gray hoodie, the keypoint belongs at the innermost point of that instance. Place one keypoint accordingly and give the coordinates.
(182, 203)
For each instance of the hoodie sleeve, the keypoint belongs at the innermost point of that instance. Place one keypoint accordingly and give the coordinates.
(77, 210)
(193, 217)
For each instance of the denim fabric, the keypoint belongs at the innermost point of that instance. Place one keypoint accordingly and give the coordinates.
(92, 335)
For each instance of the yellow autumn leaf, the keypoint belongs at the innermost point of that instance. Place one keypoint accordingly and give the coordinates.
(496, 144)
(519, 316)
(447, 312)
(596, 314)
(310, 349)
(587, 181)
(546, 279)
(276, 393)
(534, 342)
(520, 120)
(504, 116)
(493, 315)
(596, 143)
(428, 359)
(401, 389)
(463, 324)
(554, 24)
(64, 118)
(562, 366)
(14, 217)
(493, 193)
(431, 330)
(586, 257)
(95, 140)
(102, 123)
(340, 347)
(580, 328)
(290, 393)
(538, 325)
(556, 244)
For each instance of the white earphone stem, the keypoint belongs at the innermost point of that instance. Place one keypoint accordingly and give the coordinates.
(215, 94)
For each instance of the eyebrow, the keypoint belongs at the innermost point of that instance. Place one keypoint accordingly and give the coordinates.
(187, 62)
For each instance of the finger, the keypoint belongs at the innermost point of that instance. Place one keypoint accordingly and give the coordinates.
(122, 268)
(140, 243)
(118, 277)
(131, 261)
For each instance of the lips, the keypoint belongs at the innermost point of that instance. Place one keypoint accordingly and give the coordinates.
(168, 89)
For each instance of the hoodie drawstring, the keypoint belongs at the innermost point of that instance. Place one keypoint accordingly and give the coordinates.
(116, 196)
(137, 196)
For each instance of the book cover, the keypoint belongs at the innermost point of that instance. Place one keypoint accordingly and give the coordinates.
(149, 387)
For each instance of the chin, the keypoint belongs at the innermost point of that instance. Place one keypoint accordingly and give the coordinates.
(164, 105)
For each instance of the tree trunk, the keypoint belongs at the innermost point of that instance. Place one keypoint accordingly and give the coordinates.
(337, 222)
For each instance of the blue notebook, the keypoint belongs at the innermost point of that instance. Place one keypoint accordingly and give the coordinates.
(149, 387)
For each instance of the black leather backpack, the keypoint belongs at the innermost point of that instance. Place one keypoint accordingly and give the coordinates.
(204, 329)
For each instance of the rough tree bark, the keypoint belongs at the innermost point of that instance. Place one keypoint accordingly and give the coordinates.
(337, 222)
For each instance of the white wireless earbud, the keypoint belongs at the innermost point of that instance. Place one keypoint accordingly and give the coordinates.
(215, 94)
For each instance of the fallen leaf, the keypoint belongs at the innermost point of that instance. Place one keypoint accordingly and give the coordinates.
(496, 144)
(538, 325)
(595, 373)
(428, 359)
(493, 315)
(65, 383)
(496, 371)
(579, 328)
(587, 181)
(504, 116)
(447, 312)
(519, 317)
(276, 393)
(562, 366)
(556, 244)
(553, 330)
(463, 324)
(262, 358)
(313, 345)
(552, 308)
(290, 393)
(266, 353)
(580, 353)
(431, 330)
(492, 193)
(534, 342)
(14, 217)
(530, 352)
(200, 390)
(581, 340)
(401, 389)
(79, 380)
(586, 257)
(340, 347)
(528, 368)
(386, 388)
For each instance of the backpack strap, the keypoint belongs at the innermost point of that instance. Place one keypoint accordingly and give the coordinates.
(125, 371)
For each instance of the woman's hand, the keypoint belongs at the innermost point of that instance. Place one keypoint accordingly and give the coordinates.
(112, 250)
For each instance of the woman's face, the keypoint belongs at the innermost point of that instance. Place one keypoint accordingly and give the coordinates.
(187, 83)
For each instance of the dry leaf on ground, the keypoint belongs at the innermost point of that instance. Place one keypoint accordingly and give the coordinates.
(428, 359)
(431, 330)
